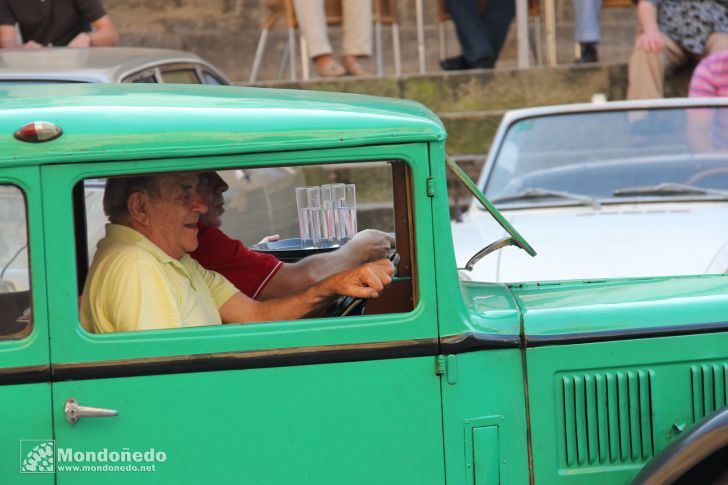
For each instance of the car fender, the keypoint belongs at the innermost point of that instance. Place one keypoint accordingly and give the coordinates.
(704, 439)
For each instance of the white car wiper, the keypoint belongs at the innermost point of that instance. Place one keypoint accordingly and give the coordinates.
(537, 193)
(668, 188)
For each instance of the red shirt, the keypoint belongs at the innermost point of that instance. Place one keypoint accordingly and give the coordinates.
(248, 270)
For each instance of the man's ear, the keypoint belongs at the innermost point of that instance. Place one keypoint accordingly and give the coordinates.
(137, 205)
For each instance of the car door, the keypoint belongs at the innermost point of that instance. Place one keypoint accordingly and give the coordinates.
(26, 439)
(322, 400)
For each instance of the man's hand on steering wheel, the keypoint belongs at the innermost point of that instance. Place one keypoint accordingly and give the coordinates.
(349, 305)
(366, 281)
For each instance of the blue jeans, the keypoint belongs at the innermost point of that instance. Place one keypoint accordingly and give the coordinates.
(586, 20)
(481, 36)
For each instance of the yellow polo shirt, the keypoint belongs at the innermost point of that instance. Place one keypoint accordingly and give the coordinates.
(134, 285)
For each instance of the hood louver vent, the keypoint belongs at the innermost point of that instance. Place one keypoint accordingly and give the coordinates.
(709, 383)
(607, 418)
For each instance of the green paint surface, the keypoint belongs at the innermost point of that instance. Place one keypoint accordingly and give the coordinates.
(596, 412)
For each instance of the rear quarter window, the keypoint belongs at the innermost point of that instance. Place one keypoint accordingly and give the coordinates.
(15, 306)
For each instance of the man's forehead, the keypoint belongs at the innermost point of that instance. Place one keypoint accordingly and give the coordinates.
(177, 178)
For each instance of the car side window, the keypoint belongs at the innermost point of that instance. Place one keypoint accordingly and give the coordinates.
(210, 78)
(15, 300)
(233, 238)
(145, 79)
(180, 76)
(145, 76)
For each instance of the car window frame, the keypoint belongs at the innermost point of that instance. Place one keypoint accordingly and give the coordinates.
(73, 344)
(30, 352)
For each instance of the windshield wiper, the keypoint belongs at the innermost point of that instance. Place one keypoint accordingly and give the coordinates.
(537, 193)
(668, 188)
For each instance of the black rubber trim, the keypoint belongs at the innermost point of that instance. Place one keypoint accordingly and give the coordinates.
(474, 341)
(25, 375)
(245, 360)
(631, 334)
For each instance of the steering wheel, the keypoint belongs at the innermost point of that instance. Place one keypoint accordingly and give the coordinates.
(349, 306)
(708, 172)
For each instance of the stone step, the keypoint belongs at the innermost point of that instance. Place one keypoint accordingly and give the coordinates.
(470, 132)
(484, 89)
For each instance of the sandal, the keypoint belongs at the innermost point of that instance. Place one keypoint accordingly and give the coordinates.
(353, 68)
(330, 69)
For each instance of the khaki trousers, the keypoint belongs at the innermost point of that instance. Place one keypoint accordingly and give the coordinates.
(357, 26)
(647, 69)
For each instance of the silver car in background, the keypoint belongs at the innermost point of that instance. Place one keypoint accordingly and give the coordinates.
(106, 65)
(265, 195)
(622, 189)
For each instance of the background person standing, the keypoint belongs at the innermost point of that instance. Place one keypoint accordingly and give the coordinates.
(48, 23)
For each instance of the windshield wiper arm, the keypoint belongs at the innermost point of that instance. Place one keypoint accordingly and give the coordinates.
(669, 188)
(537, 193)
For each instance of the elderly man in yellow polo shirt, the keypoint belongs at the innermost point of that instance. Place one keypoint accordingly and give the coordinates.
(142, 277)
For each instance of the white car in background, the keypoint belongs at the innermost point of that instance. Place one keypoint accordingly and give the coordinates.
(620, 189)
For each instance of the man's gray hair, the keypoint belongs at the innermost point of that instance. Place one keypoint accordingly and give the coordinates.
(119, 189)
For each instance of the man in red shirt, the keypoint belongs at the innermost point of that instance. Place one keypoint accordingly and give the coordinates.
(262, 276)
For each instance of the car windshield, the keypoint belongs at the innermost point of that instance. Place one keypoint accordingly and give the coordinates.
(612, 156)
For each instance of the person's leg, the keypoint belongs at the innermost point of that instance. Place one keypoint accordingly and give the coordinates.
(497, 18)
(474, 39)
(647, 69)
(586, 20)
(586, 28)
(357, 32)
(312, 22)
(357, 26)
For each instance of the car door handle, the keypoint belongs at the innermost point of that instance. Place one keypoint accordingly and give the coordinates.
(73, 411)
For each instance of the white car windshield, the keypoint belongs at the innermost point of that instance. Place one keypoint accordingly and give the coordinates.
(612, 156)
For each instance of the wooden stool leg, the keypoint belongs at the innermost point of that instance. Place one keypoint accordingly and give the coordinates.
(549, 15)
(538, 40)
(292, 53)
(305, 72)
(262, 40)
(395, 48)
(292, 23)
(378, 47)
(421, 54)
(442, 40)
(522, 33)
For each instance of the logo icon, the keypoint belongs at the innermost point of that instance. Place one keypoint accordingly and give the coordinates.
(37, 456)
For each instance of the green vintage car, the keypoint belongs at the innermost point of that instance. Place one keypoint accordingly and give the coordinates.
(439, 381)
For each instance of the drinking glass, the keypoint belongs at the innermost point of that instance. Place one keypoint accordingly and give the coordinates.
(313, 194)
(304, 219)
(328, 235)
(347, 213)
(338, 195)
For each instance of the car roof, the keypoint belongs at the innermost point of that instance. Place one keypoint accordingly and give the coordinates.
(666, 103)
(135, 121)
(96, 64)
